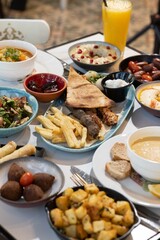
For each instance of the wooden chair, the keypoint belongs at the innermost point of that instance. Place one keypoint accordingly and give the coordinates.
(36, 31)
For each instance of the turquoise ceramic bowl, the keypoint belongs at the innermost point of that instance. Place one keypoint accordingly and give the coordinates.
(11, 92)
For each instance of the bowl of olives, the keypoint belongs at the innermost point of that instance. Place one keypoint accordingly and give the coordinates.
(45, 87)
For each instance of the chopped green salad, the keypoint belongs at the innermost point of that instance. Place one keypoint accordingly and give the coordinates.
(14, 111)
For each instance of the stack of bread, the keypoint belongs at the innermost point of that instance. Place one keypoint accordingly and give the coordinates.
(119, 167)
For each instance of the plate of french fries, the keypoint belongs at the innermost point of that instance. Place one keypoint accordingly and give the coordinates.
(60, 130)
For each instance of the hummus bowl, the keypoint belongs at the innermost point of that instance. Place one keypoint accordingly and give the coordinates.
(148, 96)
(94, 55)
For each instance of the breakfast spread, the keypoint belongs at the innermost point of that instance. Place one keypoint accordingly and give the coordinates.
(90, 213)
(93, 54)
(150, 96)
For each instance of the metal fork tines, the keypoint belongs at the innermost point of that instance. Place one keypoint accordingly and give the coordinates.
(78, 180)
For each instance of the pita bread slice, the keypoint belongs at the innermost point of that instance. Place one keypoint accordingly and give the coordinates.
(83, 94)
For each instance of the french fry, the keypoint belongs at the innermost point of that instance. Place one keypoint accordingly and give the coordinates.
(84, 137)
(47, 123)
(46, 133)
(69, 134)
(58, 138)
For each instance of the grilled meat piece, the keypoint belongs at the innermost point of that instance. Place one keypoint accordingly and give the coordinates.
(108, 117)
(87, 120)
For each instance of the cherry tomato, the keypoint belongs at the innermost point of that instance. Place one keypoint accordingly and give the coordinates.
(26, 179)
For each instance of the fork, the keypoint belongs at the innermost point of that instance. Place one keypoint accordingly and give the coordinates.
(77, 179)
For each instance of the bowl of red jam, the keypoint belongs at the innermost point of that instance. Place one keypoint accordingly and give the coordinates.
(45, 87)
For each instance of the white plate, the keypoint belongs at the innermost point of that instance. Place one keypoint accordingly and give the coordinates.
(34, 165)
(127, 186)
(46, 62)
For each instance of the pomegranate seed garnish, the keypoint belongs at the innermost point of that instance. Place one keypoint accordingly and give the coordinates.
(91, 53)
(79, 51)
(96, 46)
(82, 57)
(114, 57)
(110, 54)
(91, 60)
(73, 56)
(108, 47)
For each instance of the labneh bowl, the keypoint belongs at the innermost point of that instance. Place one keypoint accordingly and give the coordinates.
(148, 96)
(17, 69)
(94, 55)
(143, 148)
(145, 67)
(32, 102)
(117, 84)
(45, 87)
(60, 201)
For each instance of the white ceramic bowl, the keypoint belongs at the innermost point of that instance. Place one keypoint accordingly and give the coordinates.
(13, 71)
(147, 168)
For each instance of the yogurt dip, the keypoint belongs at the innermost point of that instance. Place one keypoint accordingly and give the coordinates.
(150, 96)
(94, 54)
(115, 83)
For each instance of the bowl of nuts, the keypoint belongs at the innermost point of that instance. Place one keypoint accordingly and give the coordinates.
(145, 68)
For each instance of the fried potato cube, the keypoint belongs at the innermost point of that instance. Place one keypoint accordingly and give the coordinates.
(71, 231)
(70, 214)
(58, 218)
(117, 219)
(107, 225)
(101, 193)
(107, 201)
(78, 196)
(121, 230)
(62, 203)
(68, 192)
(86, 222)
(81, 212)
(108, 212)
(81, 233)
(128, 218)
(107, 235)
(122, 207)
(98, 226)
(91, 188)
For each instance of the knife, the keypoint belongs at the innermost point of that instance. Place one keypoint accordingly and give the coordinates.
(148, 218)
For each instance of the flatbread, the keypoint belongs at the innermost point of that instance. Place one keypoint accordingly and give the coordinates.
(83, 94)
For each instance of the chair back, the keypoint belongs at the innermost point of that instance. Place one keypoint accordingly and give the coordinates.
(35, 31)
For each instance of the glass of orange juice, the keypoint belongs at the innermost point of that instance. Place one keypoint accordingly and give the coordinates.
(116, 18)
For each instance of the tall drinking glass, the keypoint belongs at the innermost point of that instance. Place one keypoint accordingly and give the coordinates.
(116, 18)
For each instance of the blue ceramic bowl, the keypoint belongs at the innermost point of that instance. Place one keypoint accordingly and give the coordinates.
(11, 92)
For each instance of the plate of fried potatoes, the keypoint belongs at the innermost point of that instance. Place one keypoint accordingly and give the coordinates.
(91, 212)
(63, 132)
